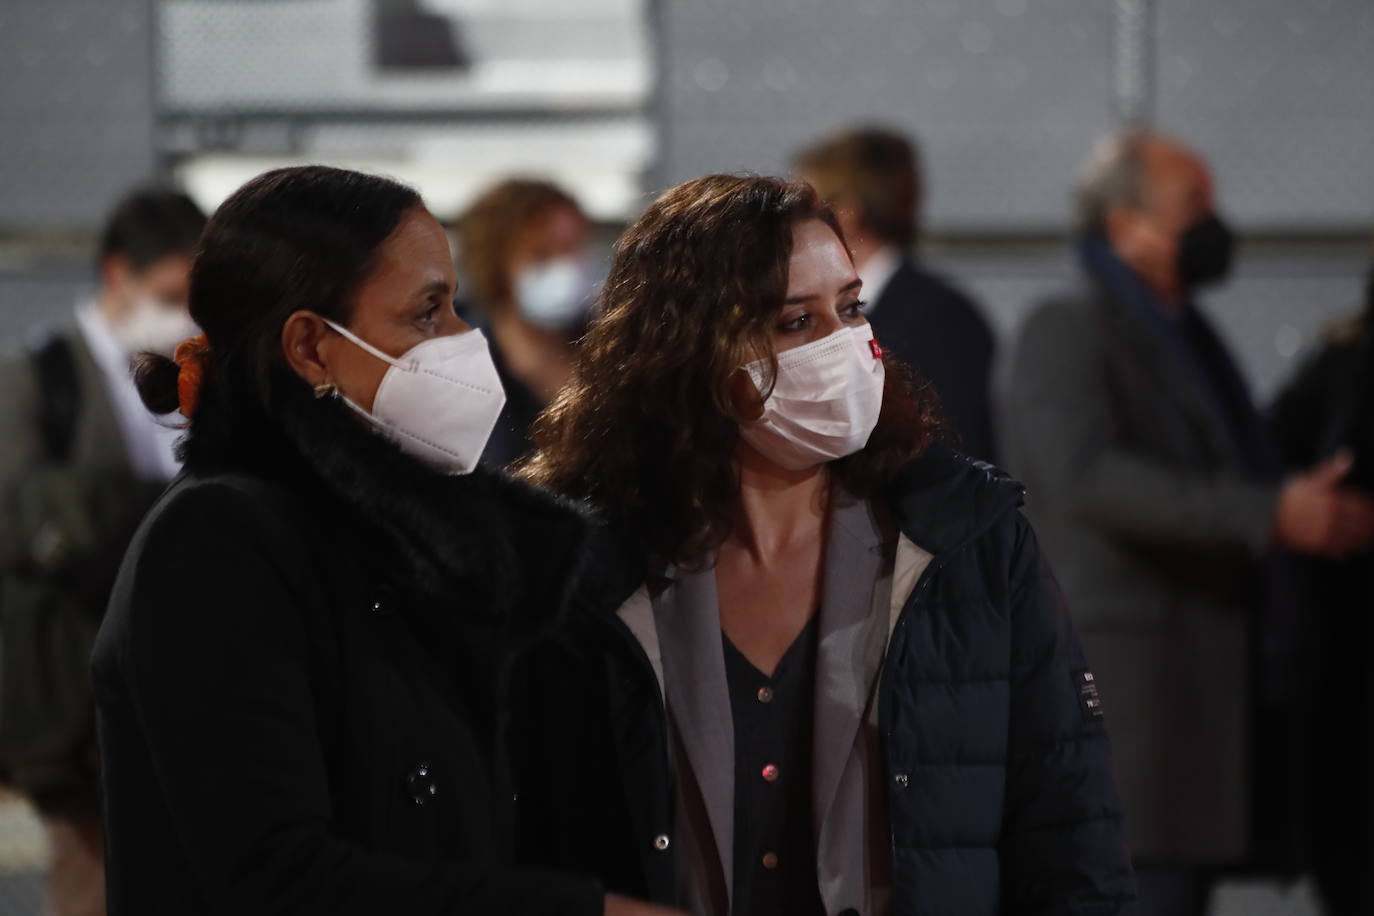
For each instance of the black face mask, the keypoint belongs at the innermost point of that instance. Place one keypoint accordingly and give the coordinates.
(1205, 252)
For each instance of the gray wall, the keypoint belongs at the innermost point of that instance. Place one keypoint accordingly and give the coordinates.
(76, 110)
(76, 130)
(1281, 95)
(1006, 96)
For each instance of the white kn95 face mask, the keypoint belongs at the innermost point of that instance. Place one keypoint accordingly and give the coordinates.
(439, 401)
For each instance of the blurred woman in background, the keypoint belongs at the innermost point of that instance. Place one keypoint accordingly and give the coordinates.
(825, 668)
(300, 682)
(1328, 409)
(523, 253)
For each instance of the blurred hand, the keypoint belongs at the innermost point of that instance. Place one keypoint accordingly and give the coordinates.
(1317, 516)
(617, 905)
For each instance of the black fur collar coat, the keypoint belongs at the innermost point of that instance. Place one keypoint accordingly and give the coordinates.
(301, 682)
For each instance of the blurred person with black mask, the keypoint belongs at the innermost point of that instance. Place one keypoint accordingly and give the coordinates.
(1328, 409)
(523, 253)
(81, 460)
(1161, 497)
(871, 177)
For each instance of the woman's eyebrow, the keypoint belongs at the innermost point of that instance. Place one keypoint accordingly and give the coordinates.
(811, 297)
(432, 287)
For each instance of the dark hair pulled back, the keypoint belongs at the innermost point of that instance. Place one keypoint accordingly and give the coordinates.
(293, 239)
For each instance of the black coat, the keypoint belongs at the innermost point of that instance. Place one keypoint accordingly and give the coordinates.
(300, 682)
(1000, 793)
(937, 330)
(1328, 405)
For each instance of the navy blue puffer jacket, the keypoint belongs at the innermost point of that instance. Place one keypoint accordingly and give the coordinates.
(1000, 792)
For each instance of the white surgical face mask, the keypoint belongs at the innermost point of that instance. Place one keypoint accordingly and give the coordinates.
(825, 402)
(153, 326)
(555, 293)
(438, 402)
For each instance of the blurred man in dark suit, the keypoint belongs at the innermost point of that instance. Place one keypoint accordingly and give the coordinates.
(872, 178)
(1160, 496)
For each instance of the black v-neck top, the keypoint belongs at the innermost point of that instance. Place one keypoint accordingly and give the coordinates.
(775, 845)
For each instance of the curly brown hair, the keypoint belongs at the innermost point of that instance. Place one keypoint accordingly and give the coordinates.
(648, 428)
(491, 224)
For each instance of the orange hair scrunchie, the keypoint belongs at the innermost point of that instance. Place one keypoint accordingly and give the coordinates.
(190, 359)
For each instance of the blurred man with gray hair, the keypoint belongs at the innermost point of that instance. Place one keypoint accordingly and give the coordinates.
(1159, 495)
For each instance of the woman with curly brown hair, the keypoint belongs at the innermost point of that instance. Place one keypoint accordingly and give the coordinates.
(834, 669)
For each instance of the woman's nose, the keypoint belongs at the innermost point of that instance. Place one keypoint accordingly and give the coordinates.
(453, 323)
(825, 325)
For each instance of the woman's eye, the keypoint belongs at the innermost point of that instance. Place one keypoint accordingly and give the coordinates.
(855, 309)
(430, 315)
(800, 323)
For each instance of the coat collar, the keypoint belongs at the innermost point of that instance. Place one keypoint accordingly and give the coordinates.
(494, 542)
(944, 499)
(1141, 325)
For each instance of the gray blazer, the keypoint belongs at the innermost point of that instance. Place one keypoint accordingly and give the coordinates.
(1157, 537)
(870, 570)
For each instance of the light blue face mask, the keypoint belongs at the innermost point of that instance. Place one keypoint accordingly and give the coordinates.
(555, 294)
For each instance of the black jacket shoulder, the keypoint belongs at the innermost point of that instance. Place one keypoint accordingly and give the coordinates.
(945, 499)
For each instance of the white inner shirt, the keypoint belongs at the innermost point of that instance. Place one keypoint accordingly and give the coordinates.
(877, 272)
(148, 440)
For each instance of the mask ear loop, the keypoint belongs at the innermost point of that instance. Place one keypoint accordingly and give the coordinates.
(364, 345)
(332, 389)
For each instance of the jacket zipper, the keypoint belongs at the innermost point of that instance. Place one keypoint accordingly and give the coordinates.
(884, 703)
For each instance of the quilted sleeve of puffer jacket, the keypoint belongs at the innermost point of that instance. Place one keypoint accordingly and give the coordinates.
(1063, 845)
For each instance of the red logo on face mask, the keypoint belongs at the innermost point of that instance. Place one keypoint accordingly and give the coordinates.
(877, 350)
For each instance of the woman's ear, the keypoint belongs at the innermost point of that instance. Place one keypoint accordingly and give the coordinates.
(304, 343)
(745, 397)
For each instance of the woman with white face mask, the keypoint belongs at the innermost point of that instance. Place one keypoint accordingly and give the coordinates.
(523, 254)
(303, 681)
(822, 666)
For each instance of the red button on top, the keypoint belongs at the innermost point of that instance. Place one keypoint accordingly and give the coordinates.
(770, 773)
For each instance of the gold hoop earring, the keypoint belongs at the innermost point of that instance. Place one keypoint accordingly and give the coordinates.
(326, 389)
